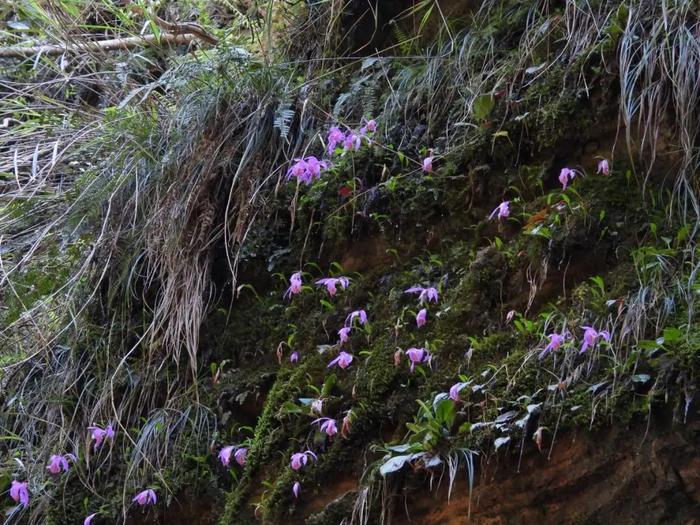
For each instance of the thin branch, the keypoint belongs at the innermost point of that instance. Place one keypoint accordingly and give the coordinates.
(100, 45)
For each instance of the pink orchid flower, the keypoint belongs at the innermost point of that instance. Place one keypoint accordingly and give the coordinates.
(428, 163)
(294, 357)
(294, 285)
(417, 356)
(145, 497)
(344, 335)
(604, 167)
(99, 434)
(296, 489)
(59, 462)
(360, 314)
(299, 459)
(88, 519)
(343, 360)
(297, 170)
(327, 425)
(19, 492)
(241, 455)
(352, 142)
(370, 127)
(422, 318)
(455, 390)
(503, 210)
(566, 175)
(306, 170)
(426, 294)
(331, 282)
(591, 336)
(335, 137)
(555, 342)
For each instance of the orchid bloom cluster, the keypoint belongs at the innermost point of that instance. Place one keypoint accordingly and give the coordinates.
(350, 140)
(566, 175)
(344, 359)
(425, 295)
(590, 338)
(307, 169)
(240, 454)
(19, 490)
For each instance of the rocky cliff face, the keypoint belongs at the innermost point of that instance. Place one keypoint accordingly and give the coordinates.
(457, 276)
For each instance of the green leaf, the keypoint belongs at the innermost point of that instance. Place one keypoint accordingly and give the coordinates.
(288, 407)
(482, 107)
(672, 335)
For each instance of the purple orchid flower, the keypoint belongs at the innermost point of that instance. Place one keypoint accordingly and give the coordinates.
(428, 163)
(422, 318)
(145, 497)
(19, 492)
(327, 425)
(417, 356)
(344, 334)
(296, 489)
(241, 456)
(503, 210)
(100, 434)
(294, 357)
(297, 170)
(370, 127)
(299, 459)
(306, 170)
(555, 342)
(360, 314)
(294, 285)
(591, 336)
(225, 455)
(426, 294)
(352, 142)
(88, 519)
(566, 175)
(59, 462)
(314, 167)
(455, 390)
(343, 360)
(604, 167)
(335, 137)
(331, 282)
